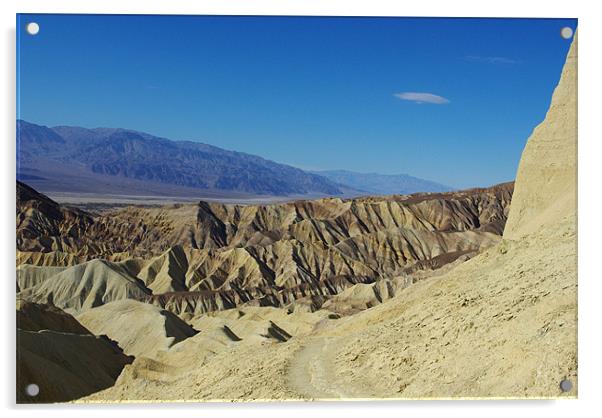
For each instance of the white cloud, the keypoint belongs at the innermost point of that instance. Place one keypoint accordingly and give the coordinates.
(417, 97)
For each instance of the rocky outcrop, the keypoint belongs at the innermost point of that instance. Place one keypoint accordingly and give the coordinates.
(43, 225)
(52, 258)
(364, 296)
(167, 272)
(546, 181)
(65, 366)
(199, 302)
(30, 275)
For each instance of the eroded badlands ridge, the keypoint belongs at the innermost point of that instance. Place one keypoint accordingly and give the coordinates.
(198, 258)
(45, 226)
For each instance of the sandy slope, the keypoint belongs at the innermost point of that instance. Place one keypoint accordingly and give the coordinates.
(139, 328)
(444, 337)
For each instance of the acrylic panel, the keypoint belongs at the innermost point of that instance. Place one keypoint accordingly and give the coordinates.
(271, 208)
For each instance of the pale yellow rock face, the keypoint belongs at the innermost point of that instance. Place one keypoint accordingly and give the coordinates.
(546, 182)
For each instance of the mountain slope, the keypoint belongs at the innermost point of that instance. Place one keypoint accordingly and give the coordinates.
(117, 155)
(383, 184)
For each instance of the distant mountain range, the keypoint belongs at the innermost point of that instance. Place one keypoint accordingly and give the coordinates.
(121, 161)
(383, 184)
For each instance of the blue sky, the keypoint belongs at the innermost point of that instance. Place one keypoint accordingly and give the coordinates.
(449, 100)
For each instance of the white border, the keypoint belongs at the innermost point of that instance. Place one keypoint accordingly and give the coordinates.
(590, 177)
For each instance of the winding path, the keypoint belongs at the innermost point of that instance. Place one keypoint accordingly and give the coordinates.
(312, 372)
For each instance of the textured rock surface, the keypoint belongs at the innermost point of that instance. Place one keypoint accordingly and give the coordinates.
(364, 296)
(65, 366)
(52, 258)
(546, 188)
(30, 275)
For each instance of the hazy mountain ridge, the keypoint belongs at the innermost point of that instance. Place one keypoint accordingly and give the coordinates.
(383, 184)
(122, 153)
(123, 161)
